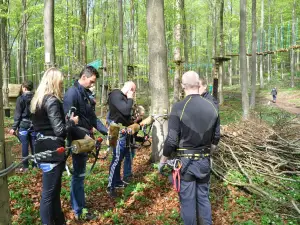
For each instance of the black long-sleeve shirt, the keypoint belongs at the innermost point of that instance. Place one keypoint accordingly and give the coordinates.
(22, 111)
(192, 124)
(120, 107)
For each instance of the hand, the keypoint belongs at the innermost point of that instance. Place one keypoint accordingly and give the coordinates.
(130, 94)
(74, 118)
(12, 131)
(161, 167)
(213, 148)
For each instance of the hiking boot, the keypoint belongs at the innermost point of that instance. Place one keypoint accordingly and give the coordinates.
(85, 216)
(112, 192)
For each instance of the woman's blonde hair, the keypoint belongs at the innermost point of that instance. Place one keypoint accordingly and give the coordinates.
(51, 84)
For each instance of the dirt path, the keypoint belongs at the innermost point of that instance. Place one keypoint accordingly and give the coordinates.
(286, 101)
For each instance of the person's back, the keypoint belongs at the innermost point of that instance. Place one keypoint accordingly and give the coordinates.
(198, 117)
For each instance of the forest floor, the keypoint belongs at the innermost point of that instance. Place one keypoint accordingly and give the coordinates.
(149, 199)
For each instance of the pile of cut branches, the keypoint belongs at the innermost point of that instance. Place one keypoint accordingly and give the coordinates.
(265, 161)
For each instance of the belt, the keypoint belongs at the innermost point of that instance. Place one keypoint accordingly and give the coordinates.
(40, 136)
(26, 120)
(193, 153)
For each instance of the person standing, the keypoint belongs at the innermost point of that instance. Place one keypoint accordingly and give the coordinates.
(191, 132)
(78, 96)
(120, 104)
(23, 123)
(274, 94)
(49, 123)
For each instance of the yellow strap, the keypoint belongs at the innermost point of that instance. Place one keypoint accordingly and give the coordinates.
(184, 107)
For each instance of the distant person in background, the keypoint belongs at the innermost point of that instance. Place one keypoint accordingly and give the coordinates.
(274, 94)
(22, 122)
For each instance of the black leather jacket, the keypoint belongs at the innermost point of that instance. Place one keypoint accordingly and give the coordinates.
(49, 119)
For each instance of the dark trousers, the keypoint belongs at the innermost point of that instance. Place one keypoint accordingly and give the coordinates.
(50, 209)
(27, 139)
(115, 167)
(194, 196)
(77, 183)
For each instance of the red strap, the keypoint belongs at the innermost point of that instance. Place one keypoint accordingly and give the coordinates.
(176, 179)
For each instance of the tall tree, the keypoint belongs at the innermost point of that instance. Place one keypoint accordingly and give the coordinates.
(83, 6)
(158, 72)
(5, 55)
(5, 215)
(253, 57)
(261, 46)
(293, 43)
(243, 71)
(221, 65)
(49, 33)
(23, 42)
(121, 63)
(177, 52)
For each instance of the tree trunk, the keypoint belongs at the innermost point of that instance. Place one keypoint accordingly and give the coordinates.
(177, 53)
(121, 71)
(230, 66)
(261, 44)
(221, 65)
(49, 33)
(4, 55)
(83, 6)
(292, 63)
(184, 33)
(23, 48)
(253, 57)
(158, 72)
(5, 214)
(242, 47)
(130, 66)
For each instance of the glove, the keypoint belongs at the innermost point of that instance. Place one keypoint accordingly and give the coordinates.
(213, 148)
(161, 167)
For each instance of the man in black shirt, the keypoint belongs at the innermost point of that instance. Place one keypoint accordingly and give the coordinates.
(191, 131)
(120, 104)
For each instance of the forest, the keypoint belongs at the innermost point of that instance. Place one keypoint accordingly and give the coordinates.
(243, 49)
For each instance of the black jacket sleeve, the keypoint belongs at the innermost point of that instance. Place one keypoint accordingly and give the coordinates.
(217, 135)
(56, 117)
(20, 106)
(173, 136)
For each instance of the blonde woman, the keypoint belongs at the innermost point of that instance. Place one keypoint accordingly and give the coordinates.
(51, 128)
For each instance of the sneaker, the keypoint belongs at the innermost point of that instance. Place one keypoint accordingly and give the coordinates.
(126, 180)
(122, 185)
(86, 216)
(112, 192)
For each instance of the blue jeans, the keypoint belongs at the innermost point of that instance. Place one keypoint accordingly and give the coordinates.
(127, 170)
(115, 167)
(77, 183)
(50, 208)
(27, 138)
(274, 98)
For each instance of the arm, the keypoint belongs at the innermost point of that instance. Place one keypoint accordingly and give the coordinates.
(53, 108)
(70, 99)
(216, 137)
(173, 136)
(18, 113)
(124, 107)
(101, 128)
